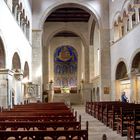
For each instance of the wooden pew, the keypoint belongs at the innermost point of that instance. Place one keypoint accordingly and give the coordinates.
(134, 125)
(22, 113)
(107, 113)
(116, 112)
(125, 117)
(42, 106)
(100, 110)
(39, 118)
(77, 134)
(40, 125)
(43, 134)
(88, 107)
(39, 113)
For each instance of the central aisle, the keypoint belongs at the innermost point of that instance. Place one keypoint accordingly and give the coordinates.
(96, 128)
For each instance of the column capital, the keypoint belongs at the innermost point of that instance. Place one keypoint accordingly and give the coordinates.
(18, 74)
(7, 71)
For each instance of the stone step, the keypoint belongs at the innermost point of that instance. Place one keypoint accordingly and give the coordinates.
(96, 128)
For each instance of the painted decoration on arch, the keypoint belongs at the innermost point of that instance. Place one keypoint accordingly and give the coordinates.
(65, 66)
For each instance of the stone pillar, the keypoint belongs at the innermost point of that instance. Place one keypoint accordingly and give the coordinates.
(91, 63)
(81, 91)
(14, 6)
(116, 32)
(18, 17)
(87, 71)
(105, 68)
(125, 24)
(117, 90)
(134, 94)
(18, 74)
(130, 21)
(138, 87)
(137, 15)
(6, 77)
(120, 24)
(37, 58)
(134, 78)
(51, 91)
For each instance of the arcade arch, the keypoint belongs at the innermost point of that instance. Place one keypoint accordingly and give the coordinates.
(122, 81)
(2, 55)
(135, 77)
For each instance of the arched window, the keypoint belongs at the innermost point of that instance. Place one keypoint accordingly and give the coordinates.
(16, 62)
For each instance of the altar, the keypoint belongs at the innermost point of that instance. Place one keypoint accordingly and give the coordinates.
(65, 90)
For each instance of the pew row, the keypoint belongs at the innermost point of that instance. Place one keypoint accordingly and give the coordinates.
(44, 135)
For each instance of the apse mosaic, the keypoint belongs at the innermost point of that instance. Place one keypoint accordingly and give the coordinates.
(65, 66)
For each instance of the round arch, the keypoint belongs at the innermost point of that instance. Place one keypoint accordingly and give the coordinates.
(83, 40)
(92, 32)
(134, 60)
(116, 16)
(16, 64)
(135, 74)
(121, 71)
(26, 70)
(122, 81)
(65, 29)
(116, 65)
(135, 67)
(2, 54)
(66, 43)
(125, 5)
(55, 6)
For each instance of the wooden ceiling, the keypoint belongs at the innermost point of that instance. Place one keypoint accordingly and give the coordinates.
(66, 34)
(68, 14)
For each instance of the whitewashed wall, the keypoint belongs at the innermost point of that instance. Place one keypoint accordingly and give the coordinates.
(126, 47)
(13, 38)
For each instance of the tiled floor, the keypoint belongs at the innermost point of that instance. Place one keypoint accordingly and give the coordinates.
(96, 128)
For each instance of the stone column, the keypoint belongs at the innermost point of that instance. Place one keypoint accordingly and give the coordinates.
(87, 57)
(105, 68)
(6, 76)
(14, 6)
(116, 32)
(51, 91)
(134, 87)
(81, 91)
(91, 63)
(134, 94)
(130, 21)
(37, 58)
(18, 74)
(138, 87)
(125, 24)
(120, 24)
(137, 15)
